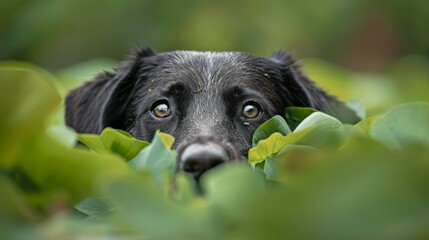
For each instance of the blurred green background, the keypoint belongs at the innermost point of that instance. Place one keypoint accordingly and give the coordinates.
(375, 50)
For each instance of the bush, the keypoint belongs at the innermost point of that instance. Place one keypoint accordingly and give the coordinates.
(308, 176)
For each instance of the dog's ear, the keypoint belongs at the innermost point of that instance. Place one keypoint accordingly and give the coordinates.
(103, 101)
(298, 90)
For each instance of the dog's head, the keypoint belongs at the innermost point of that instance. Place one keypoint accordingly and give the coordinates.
(210, 102)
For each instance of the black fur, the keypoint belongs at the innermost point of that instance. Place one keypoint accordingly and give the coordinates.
(205, 91)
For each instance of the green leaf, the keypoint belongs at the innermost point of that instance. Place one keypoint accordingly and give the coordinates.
(232, 190)
(367, 123)
(403, 126)
(185, 188)
(295, 115)
(275, 124)
(166, 139)
(114, 141)
(53, 166)
(328, 132)
(26, 99)
(144, 211)
(12, 202)
(95, 209)
(290, 160)
(157, 157)
(273, 144)
(351, 195)
(318, 130)
(16, 213)
(358, 107)
(63, 134)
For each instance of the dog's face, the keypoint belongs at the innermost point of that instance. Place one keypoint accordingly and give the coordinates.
(212, 103)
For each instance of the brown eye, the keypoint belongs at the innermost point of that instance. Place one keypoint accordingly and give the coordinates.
(250, 110)
(161, 110)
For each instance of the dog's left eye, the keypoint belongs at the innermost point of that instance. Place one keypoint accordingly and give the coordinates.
(161, 109)
(251, 110)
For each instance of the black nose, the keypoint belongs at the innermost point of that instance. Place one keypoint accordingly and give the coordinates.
(198, 158)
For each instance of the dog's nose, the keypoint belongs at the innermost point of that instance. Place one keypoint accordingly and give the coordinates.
(198, 158)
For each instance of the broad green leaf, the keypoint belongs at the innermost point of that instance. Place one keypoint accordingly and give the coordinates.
(157, 157)
(274, 143)
(328, 132)
(12, 202)
(367, 123)
(71, 226)
(185, 188)
(93, 142)
(166, 139)
(358, 107)
(12, 227)
(270, 169)
(351, 131)
(295, 115)
(26, 99)
(291, 160)
(100, 209)
(232, 190)
(144, 211)
(403, 126)
(275, 124)
(114, 141)
(95, 209)
(318, 130)
(361, 194)
(63, 134)
(16, 214)
(52, 166)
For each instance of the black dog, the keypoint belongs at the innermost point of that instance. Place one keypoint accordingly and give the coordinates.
(210, 102)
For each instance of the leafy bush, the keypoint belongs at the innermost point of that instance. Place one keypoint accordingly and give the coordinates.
(308, 176)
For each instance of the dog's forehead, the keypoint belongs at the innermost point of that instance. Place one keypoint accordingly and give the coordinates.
(209, 68)
(211, 59)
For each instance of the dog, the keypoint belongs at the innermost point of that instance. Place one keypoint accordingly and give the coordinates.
(211, 102)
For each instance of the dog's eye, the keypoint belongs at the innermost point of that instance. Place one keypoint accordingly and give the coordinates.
(161, 109)
(251, 110)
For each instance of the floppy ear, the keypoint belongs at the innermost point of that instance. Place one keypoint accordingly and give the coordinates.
(298, 90)
(103, 101)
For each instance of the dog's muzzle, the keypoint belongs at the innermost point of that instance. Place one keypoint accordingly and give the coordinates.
(202, 154)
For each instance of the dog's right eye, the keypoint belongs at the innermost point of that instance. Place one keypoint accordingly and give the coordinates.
(251, 110)
(161, 109)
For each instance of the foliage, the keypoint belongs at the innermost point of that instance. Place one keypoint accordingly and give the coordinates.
(310, 177)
